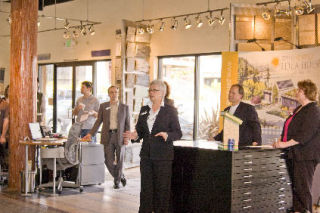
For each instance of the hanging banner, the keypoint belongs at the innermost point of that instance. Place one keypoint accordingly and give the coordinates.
(229, 76)
(270, 81)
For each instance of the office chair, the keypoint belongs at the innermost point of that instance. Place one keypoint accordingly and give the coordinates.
(61, 158)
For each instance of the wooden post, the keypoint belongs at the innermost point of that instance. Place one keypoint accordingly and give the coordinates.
(23, 82)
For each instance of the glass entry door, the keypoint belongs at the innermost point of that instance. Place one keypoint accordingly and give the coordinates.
(61, 87)
(64, 99)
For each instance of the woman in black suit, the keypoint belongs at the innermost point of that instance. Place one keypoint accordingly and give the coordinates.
(301, 137)
(158, 126)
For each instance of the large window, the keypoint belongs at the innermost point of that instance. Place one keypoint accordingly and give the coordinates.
(61, 83)
(195, 89)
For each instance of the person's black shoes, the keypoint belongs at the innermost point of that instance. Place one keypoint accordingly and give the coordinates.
(116, 186)
(123, 181)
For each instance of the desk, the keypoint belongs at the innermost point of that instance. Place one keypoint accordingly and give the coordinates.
(205, 179)
(58, 142)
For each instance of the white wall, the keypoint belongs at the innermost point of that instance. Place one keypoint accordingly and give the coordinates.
(111, 12)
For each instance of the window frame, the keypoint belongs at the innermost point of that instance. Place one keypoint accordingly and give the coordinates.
(196, 56)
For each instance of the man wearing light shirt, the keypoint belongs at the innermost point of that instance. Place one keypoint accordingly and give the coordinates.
(116, 120)
(86, 109)
(250, 129)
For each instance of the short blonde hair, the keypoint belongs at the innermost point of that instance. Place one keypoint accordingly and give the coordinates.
(309, 89)
(161, 85)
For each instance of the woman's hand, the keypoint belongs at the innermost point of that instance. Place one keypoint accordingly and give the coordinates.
(164, 135)
(281, 145)
(130, 135)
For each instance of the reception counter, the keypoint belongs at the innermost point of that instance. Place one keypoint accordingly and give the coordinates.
(206, 179)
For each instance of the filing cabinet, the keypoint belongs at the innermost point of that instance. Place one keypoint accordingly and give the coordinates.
(252, 180)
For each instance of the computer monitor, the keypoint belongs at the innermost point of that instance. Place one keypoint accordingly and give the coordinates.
(35, 130)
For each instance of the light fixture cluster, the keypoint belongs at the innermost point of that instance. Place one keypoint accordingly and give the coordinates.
(75, 31)
(189, 21)
(300, 7)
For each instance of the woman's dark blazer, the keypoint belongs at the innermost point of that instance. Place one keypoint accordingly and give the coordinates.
(155, 148)
(305, 129)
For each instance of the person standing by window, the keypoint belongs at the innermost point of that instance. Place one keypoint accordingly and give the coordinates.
(116, 120)
(158, 125)
(86, 109)
(301, 139)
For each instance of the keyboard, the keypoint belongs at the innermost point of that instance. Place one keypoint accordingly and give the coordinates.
(47, 139)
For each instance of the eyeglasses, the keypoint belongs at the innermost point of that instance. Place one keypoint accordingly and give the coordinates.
(153, 90)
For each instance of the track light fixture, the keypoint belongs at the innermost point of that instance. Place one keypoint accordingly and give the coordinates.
(187, 23)
(309, 7)
(66, 34)
(266, 13)
(66, 25)
(221, 18)
(91, 30)
(75, 33)
(299, 9)
(9, 20)
(187, 20)
(162, 25)
(199, 21)
(83, 29)
(211, 20)
(140, 30)
(174, 25)
(150, 28)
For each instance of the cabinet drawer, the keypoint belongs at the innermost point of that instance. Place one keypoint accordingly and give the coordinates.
(247, 174)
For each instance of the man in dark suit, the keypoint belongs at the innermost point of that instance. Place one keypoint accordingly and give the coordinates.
(250, 129)
(116, 120)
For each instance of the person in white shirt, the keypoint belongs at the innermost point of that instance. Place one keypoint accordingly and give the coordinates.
(250, 129)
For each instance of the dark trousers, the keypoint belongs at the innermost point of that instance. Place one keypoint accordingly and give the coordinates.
(301, 175)
(155, 185)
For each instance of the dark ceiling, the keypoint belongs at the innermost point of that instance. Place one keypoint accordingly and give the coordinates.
(44, 3)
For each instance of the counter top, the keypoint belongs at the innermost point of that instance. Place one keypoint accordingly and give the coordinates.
(213, 145)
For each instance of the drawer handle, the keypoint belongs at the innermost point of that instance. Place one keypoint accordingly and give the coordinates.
(247, 182)
(247, 200)
(248, 156)
(248, 176)
(247, 193)
(247, 169)
(247, 162)
(282, 166)
(282, 178)
(281, 173)
(281, 189)
(282, 195)
(281, 208)
(246, 207)
(282, 201)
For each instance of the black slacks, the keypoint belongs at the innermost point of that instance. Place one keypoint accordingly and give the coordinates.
(155, 185)
(301, 175)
